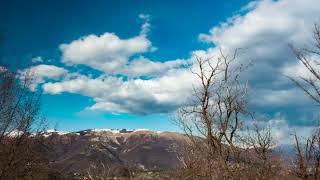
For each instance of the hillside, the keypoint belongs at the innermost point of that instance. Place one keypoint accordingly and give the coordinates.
(116, 149)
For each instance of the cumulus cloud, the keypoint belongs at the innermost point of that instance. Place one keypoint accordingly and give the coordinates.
(144, 66)
(137, 96)
(106, 52)
(40, 73)
(263, 29)
(265, 32)
(280, 98)
(111, 54)
(281, 130)
(267, 21)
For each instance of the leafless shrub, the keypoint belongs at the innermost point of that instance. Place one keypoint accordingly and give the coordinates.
(307, 165)
(99, 171)
(260, 157)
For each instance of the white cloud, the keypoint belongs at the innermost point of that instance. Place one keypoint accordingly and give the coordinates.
(110, 54)
(37, 59)
(279, 98)
(267, 29)
(107, 52)
(268, 21)
(297, 70)
(143, 66)
(41, 72)
(145, 28)
(280, 129)
(49, 71)
(137, 96)
(283, 132)
(263, 31)
(145, 17)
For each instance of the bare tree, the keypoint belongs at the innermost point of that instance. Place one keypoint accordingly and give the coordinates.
(307, 162)
(261, 160)
(20, 143)
(219, 146)
(307, 165)
(310, 59)
(215, 116)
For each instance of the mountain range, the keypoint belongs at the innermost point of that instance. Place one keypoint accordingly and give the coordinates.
(77, 152)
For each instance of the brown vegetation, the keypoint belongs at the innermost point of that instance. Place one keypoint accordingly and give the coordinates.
(20, 142)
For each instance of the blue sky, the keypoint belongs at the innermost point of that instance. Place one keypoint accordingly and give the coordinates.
(120, 64)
